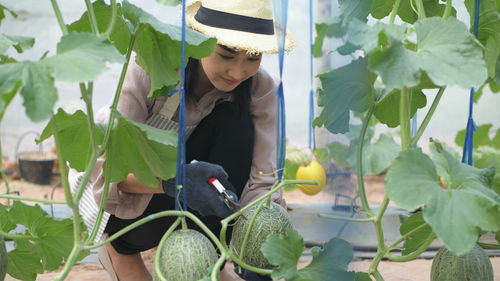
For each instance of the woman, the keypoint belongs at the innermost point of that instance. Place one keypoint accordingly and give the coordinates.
(230, 126)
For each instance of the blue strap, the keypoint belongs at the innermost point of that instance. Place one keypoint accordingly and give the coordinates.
(471, 125)
(312, 136)
(280, 14)
(180, 178)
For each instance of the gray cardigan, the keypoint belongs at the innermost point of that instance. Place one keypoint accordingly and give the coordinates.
(135, 104)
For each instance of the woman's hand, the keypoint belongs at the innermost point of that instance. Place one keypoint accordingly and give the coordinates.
(201, 196)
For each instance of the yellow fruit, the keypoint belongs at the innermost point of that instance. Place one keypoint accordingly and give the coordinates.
(313, 171)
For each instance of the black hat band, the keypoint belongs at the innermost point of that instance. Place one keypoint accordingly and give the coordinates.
(225, 20)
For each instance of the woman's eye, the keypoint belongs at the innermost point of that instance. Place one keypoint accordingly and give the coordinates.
(225, 57)
(253, 59)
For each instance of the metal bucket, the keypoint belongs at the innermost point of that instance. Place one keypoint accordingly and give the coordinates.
(35, 166)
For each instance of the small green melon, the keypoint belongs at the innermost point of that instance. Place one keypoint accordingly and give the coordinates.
(185, 255)
(471, 266)
(273, 220)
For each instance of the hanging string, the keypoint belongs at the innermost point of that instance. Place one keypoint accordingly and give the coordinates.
(180, 178)
(471, 125)
(312, 136)
(280, 14)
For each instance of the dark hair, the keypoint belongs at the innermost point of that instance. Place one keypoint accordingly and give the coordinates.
(241, 94)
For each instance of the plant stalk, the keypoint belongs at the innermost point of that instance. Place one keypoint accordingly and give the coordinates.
(359, 161)
(111, 25)
(420, 9)
(415, 253)
(394, 11)
(404, 118)
(488, 245)
(32, 199)
(447, 9)
(369, 219)
(92, 18)
(59, 17)
(117, 95)
(427, 117)
(17, 236)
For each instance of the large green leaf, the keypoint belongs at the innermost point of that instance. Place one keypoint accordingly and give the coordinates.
(20, 43)
(74, 137)
(328, 264)
(6, 224)
(377, 156)
(488, 31)
(354, 9)
(119, 37)
(38, 91)
(82, 57)
(387, 109)
(457, 213)
(481, 136)
(51, 242)
(415, 240)
(487, 158)
(432, 9)
(147, 152)
(158, 47)
(347, 88)
(382, 8)
(445, 50)
(10, 82)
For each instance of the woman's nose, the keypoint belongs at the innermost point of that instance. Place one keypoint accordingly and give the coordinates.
(237, 71)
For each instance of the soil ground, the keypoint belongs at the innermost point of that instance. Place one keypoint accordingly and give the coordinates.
(416, 270)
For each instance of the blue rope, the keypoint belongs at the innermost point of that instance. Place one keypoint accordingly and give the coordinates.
(280, 12)
(471, 125)
(180, 178)
(312, 136)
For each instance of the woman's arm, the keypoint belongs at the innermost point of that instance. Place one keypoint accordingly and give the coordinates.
(132, 185)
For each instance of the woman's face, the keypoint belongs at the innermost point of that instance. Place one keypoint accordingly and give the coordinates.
(226, 68)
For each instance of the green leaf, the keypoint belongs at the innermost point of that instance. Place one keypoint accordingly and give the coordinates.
(488, 31)
(354, 9)
(362, 276)
(432, 9)
(147, 152)
(169, 2)
(38, 91)
(445, 50)
(330, 28)
(158, 48)
(23, 264)
(74, 137)
(487, 158)
(387, 109)
(496, 140)
(284, 252)
(377, 156)
(52, 241)
(455, 214)
(415, 240)
(381, 8)
(20, 43)
(349, 87)
(119, 37)
(2, 12)
(480, 137)
(10, 82)
(82, 57)
(6, 224)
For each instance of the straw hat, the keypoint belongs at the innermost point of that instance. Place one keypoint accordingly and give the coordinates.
(240, 24)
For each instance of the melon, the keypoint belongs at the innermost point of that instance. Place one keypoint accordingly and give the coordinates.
(3, 259)
(185, 255)
(269, 220)
(471, 266)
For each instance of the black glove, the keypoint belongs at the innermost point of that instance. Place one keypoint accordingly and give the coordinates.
(250, 275)
(202, 197)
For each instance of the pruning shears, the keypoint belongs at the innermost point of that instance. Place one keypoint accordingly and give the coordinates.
(229, 200)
